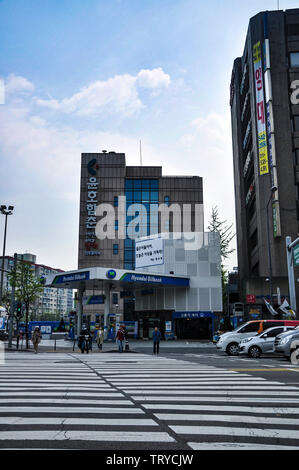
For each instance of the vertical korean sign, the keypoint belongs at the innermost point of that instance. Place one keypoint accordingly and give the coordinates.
(260, 110)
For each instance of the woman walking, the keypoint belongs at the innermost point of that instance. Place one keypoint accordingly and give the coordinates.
(36, 337)
(100, 339)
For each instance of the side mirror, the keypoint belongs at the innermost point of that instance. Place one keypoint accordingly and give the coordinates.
(265, 336)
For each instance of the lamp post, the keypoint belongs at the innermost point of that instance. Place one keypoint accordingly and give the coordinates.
(5, 211)
(273, 189)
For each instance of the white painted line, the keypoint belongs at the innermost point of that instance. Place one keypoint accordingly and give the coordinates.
(112, 436)
(236, 446)
(206, 387)
(33, 384)
(227, 418)
(226, 394)
(63, 401)
(21, 421)
(278, 410)
(67, 410)
(237, 432)
(60, 395)
(191, 381)
(216, 399)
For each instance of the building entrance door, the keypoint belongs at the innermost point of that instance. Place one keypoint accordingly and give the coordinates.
(193, 328)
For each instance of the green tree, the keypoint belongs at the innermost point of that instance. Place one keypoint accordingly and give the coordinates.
(226, 236)
(27, 288)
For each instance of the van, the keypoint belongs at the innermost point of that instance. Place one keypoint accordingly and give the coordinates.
(229, 342)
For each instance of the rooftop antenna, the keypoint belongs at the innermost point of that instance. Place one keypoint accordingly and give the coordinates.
(140, 152)
(277, 4)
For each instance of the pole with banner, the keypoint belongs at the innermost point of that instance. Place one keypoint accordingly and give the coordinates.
(292, 260)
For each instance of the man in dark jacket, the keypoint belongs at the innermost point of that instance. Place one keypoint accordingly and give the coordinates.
(156, 340)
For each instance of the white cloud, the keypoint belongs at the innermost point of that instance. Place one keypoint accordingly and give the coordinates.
(17, 84)
(118, 94)
(153, 79)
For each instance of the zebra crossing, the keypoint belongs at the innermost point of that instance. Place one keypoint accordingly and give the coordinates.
(139, 401)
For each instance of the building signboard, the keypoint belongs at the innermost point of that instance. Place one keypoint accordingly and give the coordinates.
(260, 110)
(149, 252)
(155, 279)
(90, 241)
(296, 255)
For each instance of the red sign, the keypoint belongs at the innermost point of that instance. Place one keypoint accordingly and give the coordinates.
(250, 299)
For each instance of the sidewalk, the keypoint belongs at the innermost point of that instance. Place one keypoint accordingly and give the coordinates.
(136, 345)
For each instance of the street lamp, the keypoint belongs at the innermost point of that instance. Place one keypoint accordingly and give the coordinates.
(5, 211)
(273, 189)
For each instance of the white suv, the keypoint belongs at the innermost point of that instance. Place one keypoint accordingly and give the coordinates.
(229, 342)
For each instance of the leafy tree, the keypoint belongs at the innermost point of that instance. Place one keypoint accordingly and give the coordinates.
(27, 288)
(226, 236)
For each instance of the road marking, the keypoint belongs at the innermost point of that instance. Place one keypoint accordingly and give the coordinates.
(236, 446)
(21, 421)
(67, 410)
(110, 436)
(237, 432)
(227, 418)
(277, 410)
(141, 398)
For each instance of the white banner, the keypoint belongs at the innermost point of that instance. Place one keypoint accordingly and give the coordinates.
(149, 252)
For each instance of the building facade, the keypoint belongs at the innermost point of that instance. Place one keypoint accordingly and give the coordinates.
(57, 302)
(264, 100)
(110, 187)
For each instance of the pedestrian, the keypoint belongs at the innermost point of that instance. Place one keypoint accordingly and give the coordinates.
(35, 338)
(156, 340)
(120, 338)
(100, 338)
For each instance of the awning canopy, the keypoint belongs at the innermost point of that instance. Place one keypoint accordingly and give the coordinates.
(98, 277)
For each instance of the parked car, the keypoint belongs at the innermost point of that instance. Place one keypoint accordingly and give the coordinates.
(284, 341)
(263, 343)
(229, 342)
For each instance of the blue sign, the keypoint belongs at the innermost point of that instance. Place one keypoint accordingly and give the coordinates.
(193, 315)
(71, 277)
(154, 279)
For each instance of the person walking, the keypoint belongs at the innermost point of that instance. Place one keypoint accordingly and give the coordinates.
(156, 340)
(36, 337)
(100, 338)
(120, 338)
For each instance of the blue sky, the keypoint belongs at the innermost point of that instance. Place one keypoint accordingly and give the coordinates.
(83, 76)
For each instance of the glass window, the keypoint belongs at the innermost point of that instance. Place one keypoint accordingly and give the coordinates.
(115, 249)
(116, 225)
(272, 333)
(137, 196)
(129, 184)
(270, 324)
(250, 327)
(115, 201)
(154, 184)
(129, 196)
(115, 298)
(136, 184)
(294, 59)
(145, 184)
(154, 196)
(296, 123)
(166, 200)
(145, 196)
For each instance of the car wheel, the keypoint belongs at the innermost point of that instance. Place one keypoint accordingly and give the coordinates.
(254, 351)
(295, 357)
(232, 349)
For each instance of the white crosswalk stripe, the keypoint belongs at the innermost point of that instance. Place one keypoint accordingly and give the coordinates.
(141, 400)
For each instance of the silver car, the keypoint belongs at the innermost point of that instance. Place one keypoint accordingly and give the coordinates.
(262, 343)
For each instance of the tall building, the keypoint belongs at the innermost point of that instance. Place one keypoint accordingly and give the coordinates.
(264, 103)
(107, 180)
(50, 301)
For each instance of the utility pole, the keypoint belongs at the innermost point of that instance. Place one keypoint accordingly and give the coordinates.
(12, 307)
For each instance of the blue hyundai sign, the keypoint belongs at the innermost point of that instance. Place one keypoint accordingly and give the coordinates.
(75, 277)
(155, 279)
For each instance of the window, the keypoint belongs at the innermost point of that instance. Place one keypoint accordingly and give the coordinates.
(273, 333)
(294, 59)
(270, 324)
(166, 200)
(115, 299)
(116, 225)
(296, 123)
(115, 249)
(250, 327)
(115, 201)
